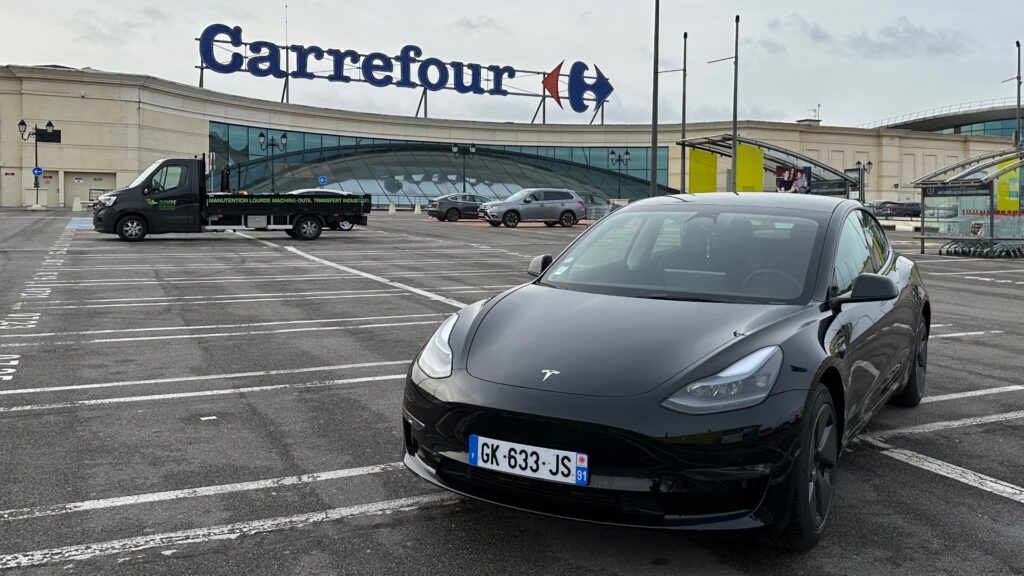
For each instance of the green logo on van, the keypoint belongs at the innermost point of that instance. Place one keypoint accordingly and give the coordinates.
(163, 204)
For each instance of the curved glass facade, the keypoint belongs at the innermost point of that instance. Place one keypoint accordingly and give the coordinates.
(998, 128)
(404, 172)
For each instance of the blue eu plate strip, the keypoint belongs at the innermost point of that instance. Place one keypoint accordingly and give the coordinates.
(474, 451)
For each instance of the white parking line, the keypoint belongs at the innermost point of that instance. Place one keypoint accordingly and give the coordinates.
(228, 376)
(974, 272)
(236, 301)
(949, 424)
(187, 266)
(972, 393)
(224, 532)
(952, 471)
(58, 509)
(965, 334)
(453, 289)
(292, 278)
(197, 394)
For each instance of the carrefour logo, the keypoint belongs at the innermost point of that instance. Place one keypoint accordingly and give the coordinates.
(222, 50)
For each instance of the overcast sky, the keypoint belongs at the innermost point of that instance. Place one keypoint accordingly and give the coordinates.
(862, 61)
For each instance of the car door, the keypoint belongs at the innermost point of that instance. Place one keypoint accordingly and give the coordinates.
(172, 200)
(534, 209)
(555, 203)
(855, 335)
(473, 203)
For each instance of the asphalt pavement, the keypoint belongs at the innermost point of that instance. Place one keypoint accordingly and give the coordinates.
(230, 404)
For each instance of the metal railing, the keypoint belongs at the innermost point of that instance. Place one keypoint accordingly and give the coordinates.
(990, 104)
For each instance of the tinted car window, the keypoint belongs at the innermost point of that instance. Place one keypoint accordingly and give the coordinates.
(558, 196)
(853, 256)
(877, 241)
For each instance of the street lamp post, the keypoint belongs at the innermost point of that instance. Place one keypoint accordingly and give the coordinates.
(273, 145)
(682, 130)
(463, 152)
(735, 95)
(619, 159)
(862, 171)
(25, 135)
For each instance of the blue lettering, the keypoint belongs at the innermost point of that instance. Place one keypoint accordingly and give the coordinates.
(207, 44)
(408, 55)
(377, 62)
(459, 75)
(302, 54)
(339, 57)
(424, 74)
(268, 64)
(498, 74)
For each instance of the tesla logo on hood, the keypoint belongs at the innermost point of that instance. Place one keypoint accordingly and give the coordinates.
(549, 374)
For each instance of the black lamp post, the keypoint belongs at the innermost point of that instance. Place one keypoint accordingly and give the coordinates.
(619, 159)
(22, 128)
(463, 152)
(862, 171)
(273, 145)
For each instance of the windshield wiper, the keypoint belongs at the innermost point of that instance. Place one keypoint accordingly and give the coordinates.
(662, 296)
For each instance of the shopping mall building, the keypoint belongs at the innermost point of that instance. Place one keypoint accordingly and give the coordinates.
(114, 125)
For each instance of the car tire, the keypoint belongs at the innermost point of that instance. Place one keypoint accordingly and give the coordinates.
(510, 219)
(913, 390)
(452, 215)
(132, 228)
(345, 226)
(813, 476)
(307, 228)
(495, 224)
(550, 224)
(567, 219)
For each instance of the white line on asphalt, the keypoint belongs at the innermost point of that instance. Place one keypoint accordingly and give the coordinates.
(187, 266)
(195, 302)
(197, 394)
(949, 424)
(952, 471)
(965, 334)
(221, 326)
(277, 254)
(941, 325)
(227, 376)
(292, 278)
(972, 393)
(425, 293)
(223, 532)
(58, 509)
(453, 289)
(973, 272)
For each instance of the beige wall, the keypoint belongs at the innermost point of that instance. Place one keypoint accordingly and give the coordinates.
(117, 124)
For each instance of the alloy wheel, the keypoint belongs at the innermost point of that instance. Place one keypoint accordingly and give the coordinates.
(132, 229)
(824, 454)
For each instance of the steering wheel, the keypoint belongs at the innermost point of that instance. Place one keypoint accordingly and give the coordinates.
(771, 272)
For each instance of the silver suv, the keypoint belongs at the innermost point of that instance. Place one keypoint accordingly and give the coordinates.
(548, 205)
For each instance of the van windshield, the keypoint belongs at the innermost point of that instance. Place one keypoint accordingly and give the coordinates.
(146, 174)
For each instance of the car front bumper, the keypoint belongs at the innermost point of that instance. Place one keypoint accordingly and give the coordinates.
(649, 467)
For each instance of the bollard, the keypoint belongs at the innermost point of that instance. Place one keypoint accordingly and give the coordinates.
(416, 210)
(391, 208)
(77, 206)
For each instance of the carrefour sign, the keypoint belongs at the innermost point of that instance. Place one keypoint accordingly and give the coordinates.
(223, 50)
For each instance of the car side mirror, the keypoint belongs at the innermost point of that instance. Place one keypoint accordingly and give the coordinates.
(868, 288)
(527, 200)
(539, 264)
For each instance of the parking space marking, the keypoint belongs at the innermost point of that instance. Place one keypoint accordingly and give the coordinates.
(223, 532)
(357, 294)
(952, 471)
(196, 378)
(197, 394)
(949, 424)
(292, 278)
(425, 293)
(1017, 271)
(58, 509)
(965, 334)
(191, 266)
(972, 393)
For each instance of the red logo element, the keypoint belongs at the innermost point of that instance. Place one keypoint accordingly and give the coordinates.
(581, 460)
(550, 84)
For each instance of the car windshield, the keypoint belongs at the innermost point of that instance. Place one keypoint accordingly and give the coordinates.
(145, 174)
(703, 253)
(518, 196)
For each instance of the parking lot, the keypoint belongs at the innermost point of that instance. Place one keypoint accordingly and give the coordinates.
(230, 403)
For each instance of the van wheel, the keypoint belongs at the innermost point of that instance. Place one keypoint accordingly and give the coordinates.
(452, 215)
(307, 228)
(132, 228)
(567, 219)
(345, 225)
(511, 219)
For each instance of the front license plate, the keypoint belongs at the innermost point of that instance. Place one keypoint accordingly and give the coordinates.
(529, 461)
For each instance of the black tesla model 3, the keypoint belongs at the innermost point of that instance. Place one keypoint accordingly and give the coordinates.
(691, 361)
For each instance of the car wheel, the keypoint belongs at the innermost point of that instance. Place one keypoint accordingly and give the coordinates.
(510, 219)
(495, 224)
(345, 226)
(567, 219)
(452, 215)
(132, 228)
(814, 475)
(550, 224)
(307, 228)
(913, 390)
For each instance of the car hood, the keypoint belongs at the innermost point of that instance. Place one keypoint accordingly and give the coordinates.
(600, 345)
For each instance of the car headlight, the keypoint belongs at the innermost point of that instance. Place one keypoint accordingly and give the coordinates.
(743, 384)
(106, 200)
(436, 358)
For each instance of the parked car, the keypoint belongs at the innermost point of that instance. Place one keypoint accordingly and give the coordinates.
(883, 209)
(452, 207)
(548, 205)
(906, 209)
(597, 205)
(764, 332)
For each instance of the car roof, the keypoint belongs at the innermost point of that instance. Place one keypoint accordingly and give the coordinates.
(808, 202)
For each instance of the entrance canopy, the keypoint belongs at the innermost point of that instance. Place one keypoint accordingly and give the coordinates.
(977, 171)
(824, 178)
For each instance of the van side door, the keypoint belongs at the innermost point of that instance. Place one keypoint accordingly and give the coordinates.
(172, 199)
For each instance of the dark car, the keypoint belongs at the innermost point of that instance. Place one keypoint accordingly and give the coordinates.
(455, 206)
(883, 209)
(906, 209)
(745, 340)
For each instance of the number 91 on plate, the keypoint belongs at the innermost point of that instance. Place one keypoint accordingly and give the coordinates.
(530, 461)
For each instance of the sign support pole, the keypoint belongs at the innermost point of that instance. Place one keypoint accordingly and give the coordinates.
(654, 104)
